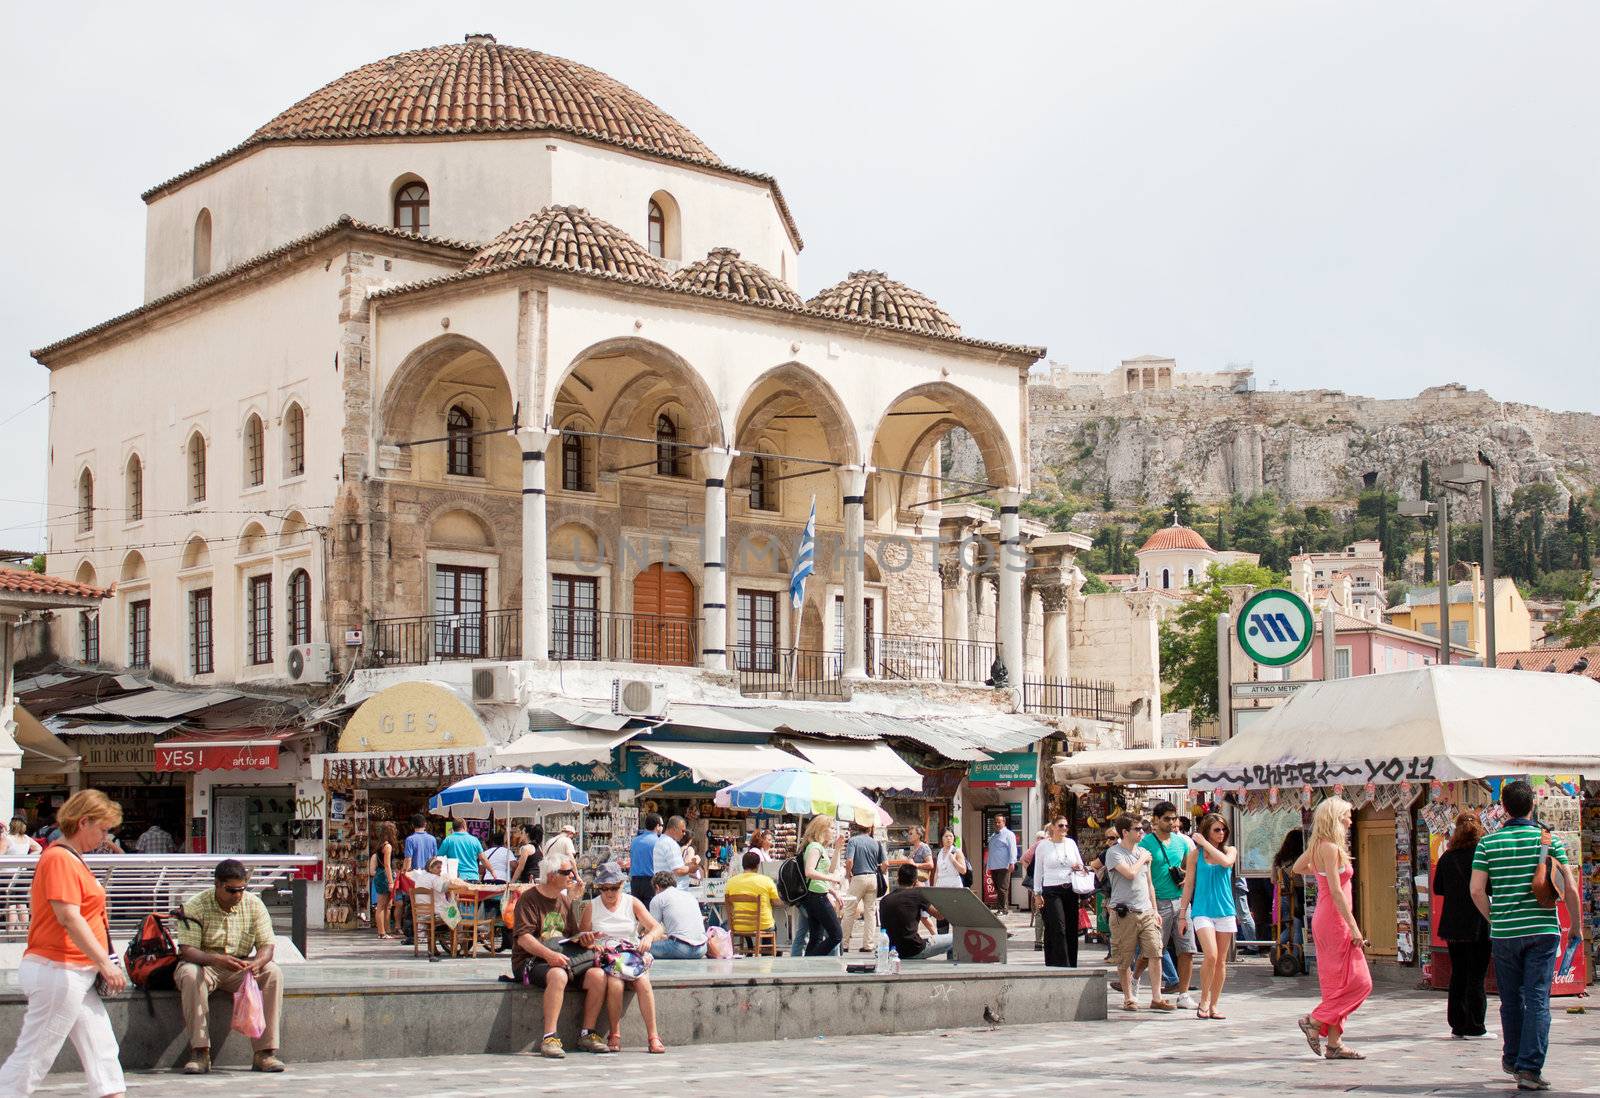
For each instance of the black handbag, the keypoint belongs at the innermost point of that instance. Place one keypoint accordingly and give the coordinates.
(883, 882)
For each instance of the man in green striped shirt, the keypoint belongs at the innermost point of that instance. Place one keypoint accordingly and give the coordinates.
(1523, 935)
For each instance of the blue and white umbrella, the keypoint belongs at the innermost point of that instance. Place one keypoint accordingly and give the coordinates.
(502, 794)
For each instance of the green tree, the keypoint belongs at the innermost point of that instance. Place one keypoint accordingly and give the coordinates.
(1189, 638)
(1106, 503)
(37, 563)
(1181, 505)
(1094, 585)
(1220, 542)
(1578, 629)
(1578, 532)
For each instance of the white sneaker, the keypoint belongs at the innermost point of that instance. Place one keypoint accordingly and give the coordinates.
(1188, 1002)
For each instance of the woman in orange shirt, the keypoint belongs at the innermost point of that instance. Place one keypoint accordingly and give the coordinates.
(69, 947)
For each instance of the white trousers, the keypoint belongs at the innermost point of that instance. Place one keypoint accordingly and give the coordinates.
(62, 1003)
(861, 902)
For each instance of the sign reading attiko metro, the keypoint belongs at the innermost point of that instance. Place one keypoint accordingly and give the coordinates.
(1005, 770)
(1275, 627)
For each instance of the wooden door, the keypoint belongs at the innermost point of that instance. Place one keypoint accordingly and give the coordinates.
(1375, 876)
(663, 617)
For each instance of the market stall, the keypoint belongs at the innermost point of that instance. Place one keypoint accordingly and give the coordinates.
(1408, 749)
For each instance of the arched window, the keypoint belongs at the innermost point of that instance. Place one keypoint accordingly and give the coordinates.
(197, 468)
(135, 478)
(1166, 579)
(255, 453)
(411, 208)
(202, 244)
(85, 502)
(461, 443)
(763, 491)
(658, 231)
(294, 442)
(298, 605)
(574, 464)
(1188, 579)
(669, 455)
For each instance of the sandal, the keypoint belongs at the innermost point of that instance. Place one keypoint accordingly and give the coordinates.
(1342, 1052)
(1308, 1026)
(656, 1046)
(1215, 1017)
(1201, 1014)
(614, 1040)
(1129, 1005)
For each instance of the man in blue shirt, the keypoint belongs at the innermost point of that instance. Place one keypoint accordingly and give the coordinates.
(1002, 855)
(420, 845)
(464, 847)
(642, 858)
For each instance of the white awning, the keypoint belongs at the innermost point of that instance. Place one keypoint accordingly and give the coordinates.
(868, 766)
(1149, 766)
(725, 762)
(584, 715)
(560, 745)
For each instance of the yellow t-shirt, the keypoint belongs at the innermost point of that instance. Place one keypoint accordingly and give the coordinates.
(759, 885)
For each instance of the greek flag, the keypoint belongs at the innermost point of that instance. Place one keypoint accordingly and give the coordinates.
(804, 560)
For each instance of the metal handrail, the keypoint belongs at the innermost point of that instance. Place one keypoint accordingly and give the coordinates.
(1073, 698)
(432, 638)
(947, 659)
(583, 634)
(796, 673)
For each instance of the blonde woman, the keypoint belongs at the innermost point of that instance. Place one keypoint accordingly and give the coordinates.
(1342, 971)
(1207, 901)
(817, 857)
(69, 947)
(19, 844)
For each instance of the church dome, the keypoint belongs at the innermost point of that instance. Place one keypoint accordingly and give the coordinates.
(570, 238)
(480, 86)
(725, 274)
(1176, 537)
(874, 296)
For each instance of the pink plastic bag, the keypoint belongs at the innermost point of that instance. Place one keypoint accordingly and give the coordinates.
(248, 1016)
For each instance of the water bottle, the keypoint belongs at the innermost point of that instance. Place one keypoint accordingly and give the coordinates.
(894, 961)
(885, 951)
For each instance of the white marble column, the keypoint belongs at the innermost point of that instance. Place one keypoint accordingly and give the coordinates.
(1012, 564)
(1054, 598)
(853, 485)
(535, 548)
(714, 587)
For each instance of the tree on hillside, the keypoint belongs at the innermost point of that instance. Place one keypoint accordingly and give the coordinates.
(1189, 639)
(1578, 629)
(1220, 541)
(1181, 505)
(1578, 532)
(1106, 503)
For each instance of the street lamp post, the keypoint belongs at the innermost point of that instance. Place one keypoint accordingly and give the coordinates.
(1462, 477)
(1417, 508)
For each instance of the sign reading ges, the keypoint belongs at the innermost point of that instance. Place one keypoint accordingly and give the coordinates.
(1275, 627)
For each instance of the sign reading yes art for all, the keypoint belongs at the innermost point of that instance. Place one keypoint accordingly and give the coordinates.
(1275, 627)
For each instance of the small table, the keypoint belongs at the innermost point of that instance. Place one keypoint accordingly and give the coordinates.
(475, 892)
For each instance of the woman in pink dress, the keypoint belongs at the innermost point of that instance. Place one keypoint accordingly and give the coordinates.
(1342, 971)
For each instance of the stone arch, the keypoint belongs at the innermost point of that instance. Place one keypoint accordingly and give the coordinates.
(461, 527)
(403, 392)
(760, 402)
(133, 567)
(85, 574)
(292, 530)
(757, 551)
(196, 553)
(662, 363)
(252, 539)
(961, 409)
(573, 538)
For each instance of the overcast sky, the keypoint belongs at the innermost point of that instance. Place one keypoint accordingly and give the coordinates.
(1369, 196)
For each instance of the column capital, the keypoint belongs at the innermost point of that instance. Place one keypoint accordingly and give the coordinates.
(951, 572)
(1053, 597)
(536, 440)
(715, 461)
(1009, 498)
(853, 480)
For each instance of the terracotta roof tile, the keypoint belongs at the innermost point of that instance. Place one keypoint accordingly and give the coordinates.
(874, 296)
(1175, 537)
(25, 582)
(725, 274)
(1562, 661)
(569, 238)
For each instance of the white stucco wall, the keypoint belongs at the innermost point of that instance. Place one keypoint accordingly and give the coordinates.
(477, 188)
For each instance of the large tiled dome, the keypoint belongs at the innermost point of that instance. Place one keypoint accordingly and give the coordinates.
(724, 273)
(873, 295)
(570, 238)
(480, 86)
(1175, 537)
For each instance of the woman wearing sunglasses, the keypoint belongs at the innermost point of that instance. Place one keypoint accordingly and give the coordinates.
(1208, 900)
(617, 916)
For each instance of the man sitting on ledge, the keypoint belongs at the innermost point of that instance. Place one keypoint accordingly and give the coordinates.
(231, 934)
(548, 952)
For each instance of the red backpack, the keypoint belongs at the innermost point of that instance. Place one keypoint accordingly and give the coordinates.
(151, 960)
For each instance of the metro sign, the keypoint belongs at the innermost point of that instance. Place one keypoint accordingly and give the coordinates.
(1275, 627)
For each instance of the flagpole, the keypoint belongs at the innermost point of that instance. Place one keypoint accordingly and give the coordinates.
(804, 565)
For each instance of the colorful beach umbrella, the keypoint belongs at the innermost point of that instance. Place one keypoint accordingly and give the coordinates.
(803, 792)
(502, 793)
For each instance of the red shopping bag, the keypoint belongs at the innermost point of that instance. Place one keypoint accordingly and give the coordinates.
(248, 1016)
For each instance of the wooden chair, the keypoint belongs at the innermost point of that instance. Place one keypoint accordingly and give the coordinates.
(744, 923)
(422, 915)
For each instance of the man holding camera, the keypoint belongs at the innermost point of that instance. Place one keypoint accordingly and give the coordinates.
(1168, 847)
(1134, 922)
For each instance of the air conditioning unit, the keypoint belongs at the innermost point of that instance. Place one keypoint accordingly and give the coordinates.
(310, 662)
(638, 698)
(493, 684)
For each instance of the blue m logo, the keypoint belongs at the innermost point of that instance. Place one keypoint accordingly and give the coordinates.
(1274, 627)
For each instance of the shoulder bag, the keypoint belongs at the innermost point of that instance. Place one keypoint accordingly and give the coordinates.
(1545, 892)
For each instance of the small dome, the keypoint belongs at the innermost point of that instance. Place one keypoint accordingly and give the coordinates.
(1176, 537)
(570, 238)
(480, 86)
(873, 295)
(723, 272)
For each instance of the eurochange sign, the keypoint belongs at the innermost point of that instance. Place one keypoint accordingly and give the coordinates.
(1007, 769)
(1275, 627)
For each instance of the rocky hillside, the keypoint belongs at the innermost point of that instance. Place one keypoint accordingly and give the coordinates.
(1316, 446)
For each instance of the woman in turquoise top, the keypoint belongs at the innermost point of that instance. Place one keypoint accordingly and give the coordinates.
(1208, 901)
